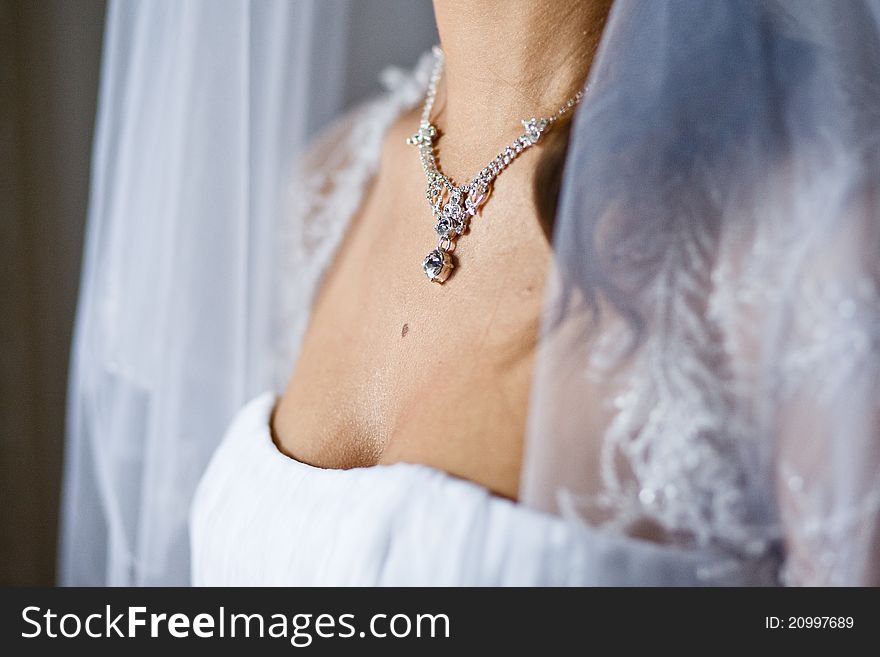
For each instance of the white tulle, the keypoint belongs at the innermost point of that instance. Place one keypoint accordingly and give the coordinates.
(714, 295)
(204, 106)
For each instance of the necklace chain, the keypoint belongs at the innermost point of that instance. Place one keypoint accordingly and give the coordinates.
(452, 205)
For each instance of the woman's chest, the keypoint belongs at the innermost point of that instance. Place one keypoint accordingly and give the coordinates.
(394, 367)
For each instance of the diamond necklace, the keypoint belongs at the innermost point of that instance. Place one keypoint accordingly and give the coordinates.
(453, 205)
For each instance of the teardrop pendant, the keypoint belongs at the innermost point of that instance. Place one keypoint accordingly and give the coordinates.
(437, 265)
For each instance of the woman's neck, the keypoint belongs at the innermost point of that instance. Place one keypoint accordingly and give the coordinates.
(510, 59)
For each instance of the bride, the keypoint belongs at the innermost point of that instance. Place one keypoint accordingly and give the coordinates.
(589, 296)
(687, 334)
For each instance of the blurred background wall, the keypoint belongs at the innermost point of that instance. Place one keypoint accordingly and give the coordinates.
(49, 63)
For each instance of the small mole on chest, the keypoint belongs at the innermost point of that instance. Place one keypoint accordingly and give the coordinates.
(404, 330)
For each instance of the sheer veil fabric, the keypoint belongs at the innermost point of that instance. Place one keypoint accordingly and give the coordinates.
(708, 371)
(714, 295)
(203, 106)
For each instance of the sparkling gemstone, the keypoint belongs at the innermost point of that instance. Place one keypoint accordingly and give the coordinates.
(452, 211)
(451, 222)
(534, 129)
(475, 199)
(448, 228)
(437, 265)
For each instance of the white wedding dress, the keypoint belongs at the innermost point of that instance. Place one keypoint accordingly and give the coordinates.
(262, 518)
